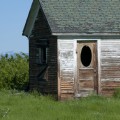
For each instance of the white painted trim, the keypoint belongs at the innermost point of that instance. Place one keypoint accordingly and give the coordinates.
(99, 65)
(58, 73)
(75, 68)
(86, 39)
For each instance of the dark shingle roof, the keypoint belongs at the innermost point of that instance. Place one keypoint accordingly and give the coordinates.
(82, 16)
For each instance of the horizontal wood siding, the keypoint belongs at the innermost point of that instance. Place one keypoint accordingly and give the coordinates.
(52, 65)
(40, 33)
(110, 66)
(66, 59)
(33, 67)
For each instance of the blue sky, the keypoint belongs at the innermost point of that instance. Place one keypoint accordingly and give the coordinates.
(13, 15)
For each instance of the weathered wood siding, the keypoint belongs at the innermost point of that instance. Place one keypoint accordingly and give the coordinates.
(61, 72)
(66, 58)
(110, 66)
(40, 33)
(52, 65)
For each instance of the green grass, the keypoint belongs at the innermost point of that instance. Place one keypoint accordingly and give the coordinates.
(24, 106)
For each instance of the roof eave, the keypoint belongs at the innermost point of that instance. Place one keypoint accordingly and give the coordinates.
(31, 18)
(88, 34)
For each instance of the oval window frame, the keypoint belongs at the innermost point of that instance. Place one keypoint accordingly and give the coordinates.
(82, 56)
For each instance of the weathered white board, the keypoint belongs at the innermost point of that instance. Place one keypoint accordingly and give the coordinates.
(66, 60)
(110, 65)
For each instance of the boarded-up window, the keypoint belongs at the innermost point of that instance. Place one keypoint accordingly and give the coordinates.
(41, 55)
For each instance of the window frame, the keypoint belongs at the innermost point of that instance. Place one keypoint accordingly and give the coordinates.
(41, 55)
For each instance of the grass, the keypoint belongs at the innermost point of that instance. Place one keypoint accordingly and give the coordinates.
(24, 106)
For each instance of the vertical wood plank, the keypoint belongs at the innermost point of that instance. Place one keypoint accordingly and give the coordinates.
(75, 69)
(59, 80)
(99, 65)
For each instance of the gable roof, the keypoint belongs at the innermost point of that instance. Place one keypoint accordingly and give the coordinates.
(31, 18)
(82, 16)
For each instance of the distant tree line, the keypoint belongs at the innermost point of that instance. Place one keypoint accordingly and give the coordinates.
(14, 71)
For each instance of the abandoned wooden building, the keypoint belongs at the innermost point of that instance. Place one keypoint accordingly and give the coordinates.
(74, 47)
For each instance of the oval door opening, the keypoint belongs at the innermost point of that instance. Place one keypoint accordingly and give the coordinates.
(86, 56)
